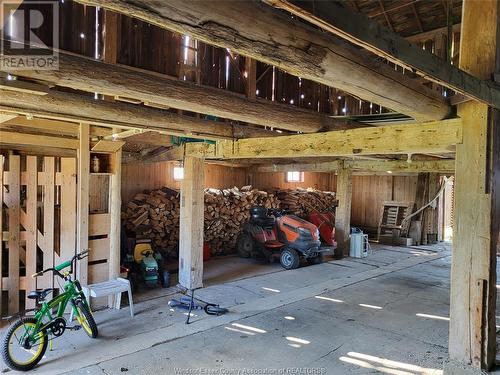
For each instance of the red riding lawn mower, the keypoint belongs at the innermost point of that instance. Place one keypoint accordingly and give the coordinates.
(325, 221)
(277, 234)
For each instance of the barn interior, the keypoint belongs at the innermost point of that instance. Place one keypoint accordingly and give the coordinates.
(162, 124)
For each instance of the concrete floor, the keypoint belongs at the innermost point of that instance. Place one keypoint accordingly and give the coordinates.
(387, 313)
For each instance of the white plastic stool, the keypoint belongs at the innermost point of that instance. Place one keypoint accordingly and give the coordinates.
(108, 288)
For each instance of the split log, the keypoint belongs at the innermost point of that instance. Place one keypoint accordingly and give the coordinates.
(155, 214)
(302, 202)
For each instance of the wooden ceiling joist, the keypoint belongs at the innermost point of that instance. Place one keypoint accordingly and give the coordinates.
(15, 138)
(369, 34)
(387, 166)
(432, 137)
(257, 30)
(53, 126)
(85, 74)
(77, 108)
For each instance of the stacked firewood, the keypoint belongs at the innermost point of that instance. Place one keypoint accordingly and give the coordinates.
(301, 202)
(155, 215)
(226, 211)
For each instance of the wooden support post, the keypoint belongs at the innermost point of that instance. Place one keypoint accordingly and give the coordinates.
(115, 213)
(191, 224)
(110, 37)
(343, 212)
(82, 205)
(251, 76)
(472, 338)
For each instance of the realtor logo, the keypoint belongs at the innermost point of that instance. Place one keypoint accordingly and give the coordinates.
(29, 35)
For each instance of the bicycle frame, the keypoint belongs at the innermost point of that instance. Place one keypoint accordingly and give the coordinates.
(72, 293)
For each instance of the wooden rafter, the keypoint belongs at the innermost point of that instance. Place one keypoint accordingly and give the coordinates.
(119, 81)
(362, 31)
(417, 17)
(386, 16)
(253, 29)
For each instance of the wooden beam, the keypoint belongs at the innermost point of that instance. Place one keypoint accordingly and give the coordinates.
(343, 211)
(367, 33)
(472, 339)
(167, 154)
(14, 138)
(151, 138)
(434, 137)
(82, 204)
(55, 126)
(256, 30)
(402, 166)
(395, 166)
(117, 80)
(191, 224)
(21, 86)
(79, 108)
(127, 134)
(107, 146)
(4, 117)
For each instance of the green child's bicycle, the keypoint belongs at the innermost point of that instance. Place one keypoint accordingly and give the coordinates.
(27, 338)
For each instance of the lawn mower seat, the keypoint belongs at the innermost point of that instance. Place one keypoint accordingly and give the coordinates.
(258, 216)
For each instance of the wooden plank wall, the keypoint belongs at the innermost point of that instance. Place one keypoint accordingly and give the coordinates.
(139, 177)
(317, 180)
(368, 193)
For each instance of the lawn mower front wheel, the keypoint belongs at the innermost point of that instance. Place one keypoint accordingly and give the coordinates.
(289, 259)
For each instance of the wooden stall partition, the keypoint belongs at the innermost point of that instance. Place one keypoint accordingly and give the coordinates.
(38, 200)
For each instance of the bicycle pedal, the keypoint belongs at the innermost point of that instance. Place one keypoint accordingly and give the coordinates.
(74, 328)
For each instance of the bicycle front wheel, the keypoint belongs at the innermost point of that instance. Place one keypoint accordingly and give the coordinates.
(20, 351)
(86, 320)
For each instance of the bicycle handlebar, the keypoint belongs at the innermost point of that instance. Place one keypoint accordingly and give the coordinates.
(68, 263)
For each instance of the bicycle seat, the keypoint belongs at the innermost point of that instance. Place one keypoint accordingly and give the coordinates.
(40, 294)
